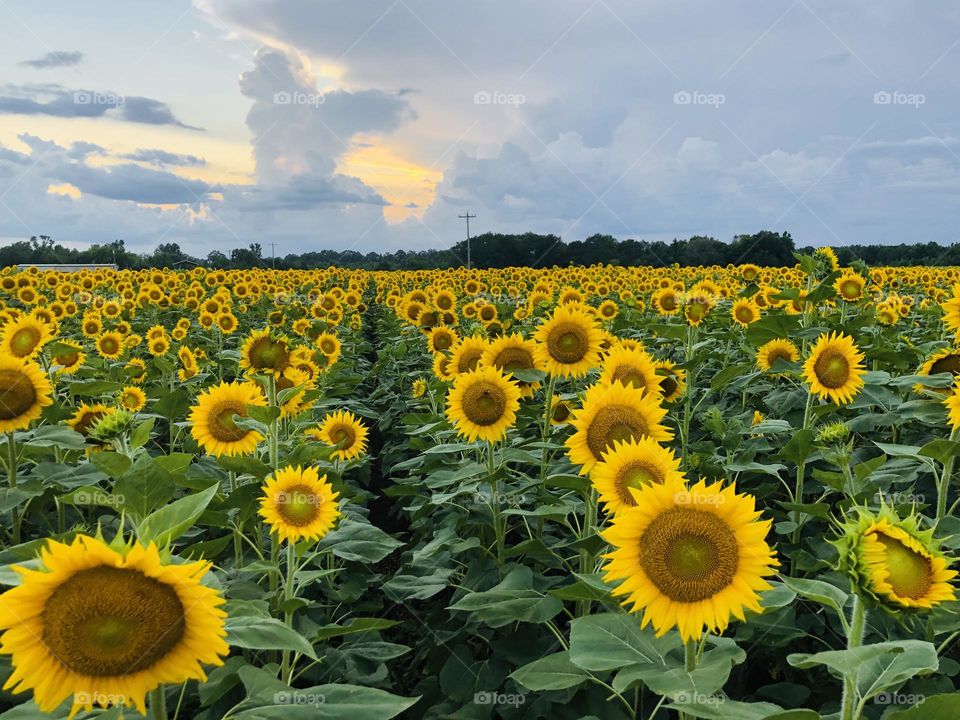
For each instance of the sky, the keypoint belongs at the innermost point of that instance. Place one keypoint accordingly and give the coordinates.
(371, 126)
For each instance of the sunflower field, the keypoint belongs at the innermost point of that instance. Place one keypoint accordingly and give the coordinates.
(585, 492)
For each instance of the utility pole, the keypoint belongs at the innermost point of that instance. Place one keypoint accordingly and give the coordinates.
(273, 255)
(467, 217)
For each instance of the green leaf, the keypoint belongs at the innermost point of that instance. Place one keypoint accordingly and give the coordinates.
(553, 672)
(938, 707)
(265, 633)
(359, 542)
(824, 593)
(111, 464)
(141, 433)
(171, 521)
(59, 436)
(355, 626)
(611, 641)
(512, 600)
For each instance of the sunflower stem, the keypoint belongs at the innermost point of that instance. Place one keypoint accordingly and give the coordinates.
(858, 622)
(286, 666)
(801, 471)
(274, 426)
(691, 337)
(495, 505)
(11, 460)
(158, 704)
(943, 487)
(589, 526)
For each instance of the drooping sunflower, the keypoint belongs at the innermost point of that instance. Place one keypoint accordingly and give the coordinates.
(24, 392)
(262, 352)
(689, 558)
(344, 431)
(744, 312)
(568, 343)
(103, 626)
(834, 368)
(631, 366)
(24, 337)
(110, 345)
(133, 398)
(673, 380)
(299, 504)
(777, 349)
(483, 403)
(419, 388)
(893, 562)
(611, 413)
(632, 464)
(510, 353)
(212, 421)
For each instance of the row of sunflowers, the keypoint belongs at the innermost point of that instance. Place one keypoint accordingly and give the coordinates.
(604, 492)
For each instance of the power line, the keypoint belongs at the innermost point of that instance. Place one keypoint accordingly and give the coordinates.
(467, 217)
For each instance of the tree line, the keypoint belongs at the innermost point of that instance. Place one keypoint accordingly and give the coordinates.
(491, 250)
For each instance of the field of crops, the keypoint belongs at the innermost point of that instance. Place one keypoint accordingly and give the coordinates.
(603, 492)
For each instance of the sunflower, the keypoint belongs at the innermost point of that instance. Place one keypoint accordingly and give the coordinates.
(342, 430)
(264, 353)
(849, 286)
(67, 357)
(946, 360)
(467, 353)
(299, 504)
(136, 370)
(608, 310)
(673, 380)
(611, 413)
(952, 403)
(24, 392)
(158, 346)
(483, 403)
(419, 388)
(133, 398)
(212, 421)
(510, 353)
(893, 562)
(560, 411)
(834, 368)
(632, 464)
(744, 312)
(568, 344)
(103, 626)
(666, 301)
(86, 416)
(441, 338)
(631, 366)
(689, 558)
(777, 349)
(110, 345)
(697, 307)
(24, 337)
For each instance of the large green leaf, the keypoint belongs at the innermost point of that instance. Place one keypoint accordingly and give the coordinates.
(552, 672)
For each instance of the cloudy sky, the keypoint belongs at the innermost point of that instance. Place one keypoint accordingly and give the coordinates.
(372, 125)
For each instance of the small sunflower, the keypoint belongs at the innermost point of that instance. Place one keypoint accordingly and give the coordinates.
(673, 380)
(24, 337)
(631, 366)
(299, 504)
(510, 353)
(689, 558)
(834, 368)
(443, 368)
(744, 312)
(68, 357)
(133, 398)
(632, 464)
(95, 623)
(560, 411)
(86, 416)
(483, 403)
(342, 430)
(264, 353)
(24, 392)
(466, 354)
(611, 413)
(419, 388)
(568, 344)
(212, 421)
(110, 345)
(441, 338)
(849, 286)
(952, 403)
(777, 349)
